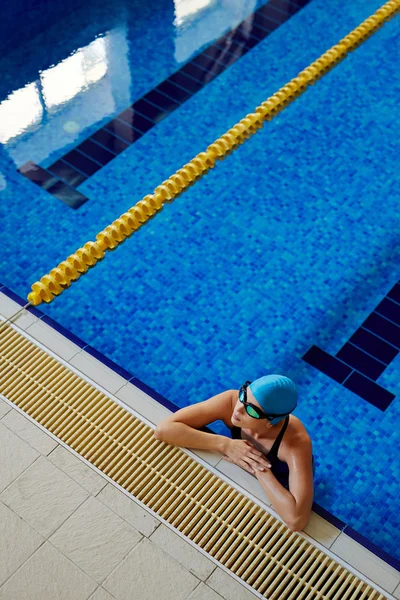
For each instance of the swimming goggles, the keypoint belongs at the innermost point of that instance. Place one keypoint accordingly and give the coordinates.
(254, 411)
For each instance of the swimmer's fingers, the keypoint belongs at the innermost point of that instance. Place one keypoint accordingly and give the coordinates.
(244, 465)
(258, 459)
(254, 453)
(253, 465)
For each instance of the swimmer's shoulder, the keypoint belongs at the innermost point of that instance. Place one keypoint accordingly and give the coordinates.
(297, 442)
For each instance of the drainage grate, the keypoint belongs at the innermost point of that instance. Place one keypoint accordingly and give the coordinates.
(242, 536)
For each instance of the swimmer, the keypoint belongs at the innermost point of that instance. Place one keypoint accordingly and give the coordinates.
(267, 440)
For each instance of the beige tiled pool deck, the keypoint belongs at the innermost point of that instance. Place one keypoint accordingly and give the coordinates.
(68, 532)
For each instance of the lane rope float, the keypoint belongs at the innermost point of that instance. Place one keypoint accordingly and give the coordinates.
(61, 277)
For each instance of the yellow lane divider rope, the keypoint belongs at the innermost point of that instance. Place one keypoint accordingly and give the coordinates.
(69, 270)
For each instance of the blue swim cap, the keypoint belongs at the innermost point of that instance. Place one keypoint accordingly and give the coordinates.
(276, 394)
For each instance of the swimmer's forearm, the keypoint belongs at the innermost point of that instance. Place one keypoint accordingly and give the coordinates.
(281, 499)
(180, 434)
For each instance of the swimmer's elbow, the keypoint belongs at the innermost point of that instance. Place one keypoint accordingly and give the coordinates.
(294, 527)
(299, 524)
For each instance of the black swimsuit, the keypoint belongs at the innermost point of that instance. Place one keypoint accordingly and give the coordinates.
(278, 467)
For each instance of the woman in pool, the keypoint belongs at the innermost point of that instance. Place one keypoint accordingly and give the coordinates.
(267, 441)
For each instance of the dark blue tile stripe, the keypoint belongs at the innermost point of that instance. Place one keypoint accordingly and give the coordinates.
(108, 362)
(359, 360)
(394, 293)
(95, 152)
(168, 404)
(325, 514)
(159, 99)
(55, 186)
(38, 175)
(21, 301)
(370, 343)
(151, 111)
(389, 309)
(67, 194)
(267, 23)
(222, 53)
(122, 130)
(65, 332)
(383, 328)
(109, 141)
(100, 148)
(100, 145)
(186, 82)
(136, 120)
(369, 390)
(155, 395)
(328, 364)
(67, 173)
(367, 353)
(393, 562)
(211, 61)
(81, 162)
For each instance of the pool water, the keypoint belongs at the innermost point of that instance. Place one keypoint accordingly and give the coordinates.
(290, 242)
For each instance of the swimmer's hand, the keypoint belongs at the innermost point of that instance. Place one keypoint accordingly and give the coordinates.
(245, 455)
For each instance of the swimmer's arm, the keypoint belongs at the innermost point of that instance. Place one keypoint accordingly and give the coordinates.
(293, 506)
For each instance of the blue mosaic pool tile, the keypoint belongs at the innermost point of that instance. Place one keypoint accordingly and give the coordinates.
(326, 363)
(108, 363)
(374, 345)
(359, 360)
(369, 390)
(88, 157)
(355, 535)
(110, 141)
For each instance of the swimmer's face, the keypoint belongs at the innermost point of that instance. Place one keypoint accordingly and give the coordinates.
(240, 418)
